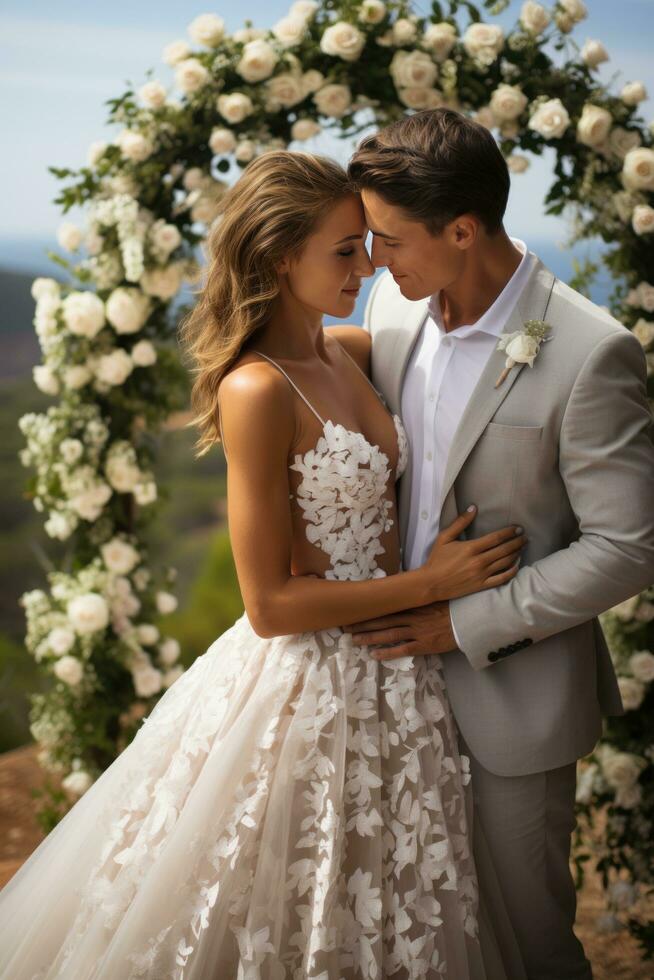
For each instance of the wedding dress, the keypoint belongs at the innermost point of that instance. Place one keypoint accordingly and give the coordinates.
(291, 808)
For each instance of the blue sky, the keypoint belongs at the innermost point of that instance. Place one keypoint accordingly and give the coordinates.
(59, 63)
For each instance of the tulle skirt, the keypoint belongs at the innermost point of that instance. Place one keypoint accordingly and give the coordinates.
(291, 808)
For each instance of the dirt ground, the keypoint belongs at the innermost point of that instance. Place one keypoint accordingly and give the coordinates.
(613, 956)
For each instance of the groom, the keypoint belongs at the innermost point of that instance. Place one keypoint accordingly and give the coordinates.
(561, 447)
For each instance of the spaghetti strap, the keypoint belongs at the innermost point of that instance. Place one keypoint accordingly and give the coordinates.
(292, 384)
(345, 351)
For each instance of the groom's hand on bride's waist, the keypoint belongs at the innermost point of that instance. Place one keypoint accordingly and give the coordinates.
(425, 630)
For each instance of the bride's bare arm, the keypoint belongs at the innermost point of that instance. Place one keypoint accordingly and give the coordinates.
(258, 421)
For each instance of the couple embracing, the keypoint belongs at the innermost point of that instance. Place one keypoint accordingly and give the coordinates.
(372, 773)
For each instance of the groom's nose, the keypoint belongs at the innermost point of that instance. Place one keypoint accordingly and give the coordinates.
(378, 254)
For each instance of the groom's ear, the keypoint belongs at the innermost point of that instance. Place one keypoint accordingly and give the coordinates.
(464, 230)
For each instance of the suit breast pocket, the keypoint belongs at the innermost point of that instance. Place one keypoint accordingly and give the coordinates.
(514, 433)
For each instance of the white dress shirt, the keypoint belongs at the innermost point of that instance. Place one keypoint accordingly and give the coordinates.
(441, 375)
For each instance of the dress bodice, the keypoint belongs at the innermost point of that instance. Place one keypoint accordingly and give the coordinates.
(343, 493)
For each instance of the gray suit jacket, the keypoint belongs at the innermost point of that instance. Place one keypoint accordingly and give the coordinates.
(564, 449)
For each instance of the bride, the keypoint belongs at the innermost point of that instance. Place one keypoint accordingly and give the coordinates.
(292, 807)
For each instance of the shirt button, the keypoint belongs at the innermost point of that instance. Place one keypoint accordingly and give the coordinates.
(424, 515)
(429, 456)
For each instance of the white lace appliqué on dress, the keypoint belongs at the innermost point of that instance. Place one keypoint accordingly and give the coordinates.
(292, 809)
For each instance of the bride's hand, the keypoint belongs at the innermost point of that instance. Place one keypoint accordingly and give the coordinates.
(457, 568)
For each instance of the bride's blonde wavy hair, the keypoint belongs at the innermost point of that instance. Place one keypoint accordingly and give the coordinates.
(268, 214)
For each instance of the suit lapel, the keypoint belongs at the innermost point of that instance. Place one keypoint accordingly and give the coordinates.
(486, 398)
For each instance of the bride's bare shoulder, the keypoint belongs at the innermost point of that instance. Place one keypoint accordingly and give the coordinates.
(356, 341)
(253, 394)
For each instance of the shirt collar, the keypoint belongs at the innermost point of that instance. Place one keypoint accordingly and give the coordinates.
(492, 321)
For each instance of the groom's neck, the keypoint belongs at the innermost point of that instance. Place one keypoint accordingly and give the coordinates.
(489, 264)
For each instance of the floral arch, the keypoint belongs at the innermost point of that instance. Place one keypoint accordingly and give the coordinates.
(108, 360)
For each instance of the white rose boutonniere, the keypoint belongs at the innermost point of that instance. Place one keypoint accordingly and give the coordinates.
(522, 346)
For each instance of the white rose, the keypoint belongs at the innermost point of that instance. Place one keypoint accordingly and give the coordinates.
(632, 692)
(84, 314)
(311, 81)
(164, 237)
(60, 640)
(404, 31)
(641, 665)
(60, 525)
(576, 9)
(193, 178)
(147, 633)
(119, 556)
(245, 151)
(164, 282)
(134, 145)
(207, 29)
(147, 681)
(417, 97)
(235, 107)
(306, 9)
(372, 12)
(191, 75)
(645, 296)
(175, 52)
(45, 379)
(69, 670)
(113, 369)
(629, 797)
(289, 31)
(304, 129)
(522, 349)
(166, 602)
(76, 376)
(594, 125)
(169, 651)
(343, 40)
(143, 354)
(533, 17)
(69, 236)
(585, 780)
(222, 140)
(507, 102)
(93, 242)
(642, 220)
(89, 503)
(127, 309)
(71, 450)
(485, 117)
(145, 492)
(622, 769)
(643, 331)
(153, 94)
(77, 782)
(439, 39)
(283, 91)
(633, 93)
(594, 53)
(517, 164)
(257, 61)
(484, 42)
(414, 69)
(622, 140)
(170, 676)
(550, 119)
(88, 613)
(333, 100)
(43, 287)
(246, 34)
(95, 152)
(638, 169)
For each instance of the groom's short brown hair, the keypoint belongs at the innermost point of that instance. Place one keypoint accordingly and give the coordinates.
(435, 165)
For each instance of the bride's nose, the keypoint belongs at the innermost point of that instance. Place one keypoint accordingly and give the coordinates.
(365, 266)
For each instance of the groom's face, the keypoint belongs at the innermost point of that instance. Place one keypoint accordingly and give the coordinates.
(420, 263)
